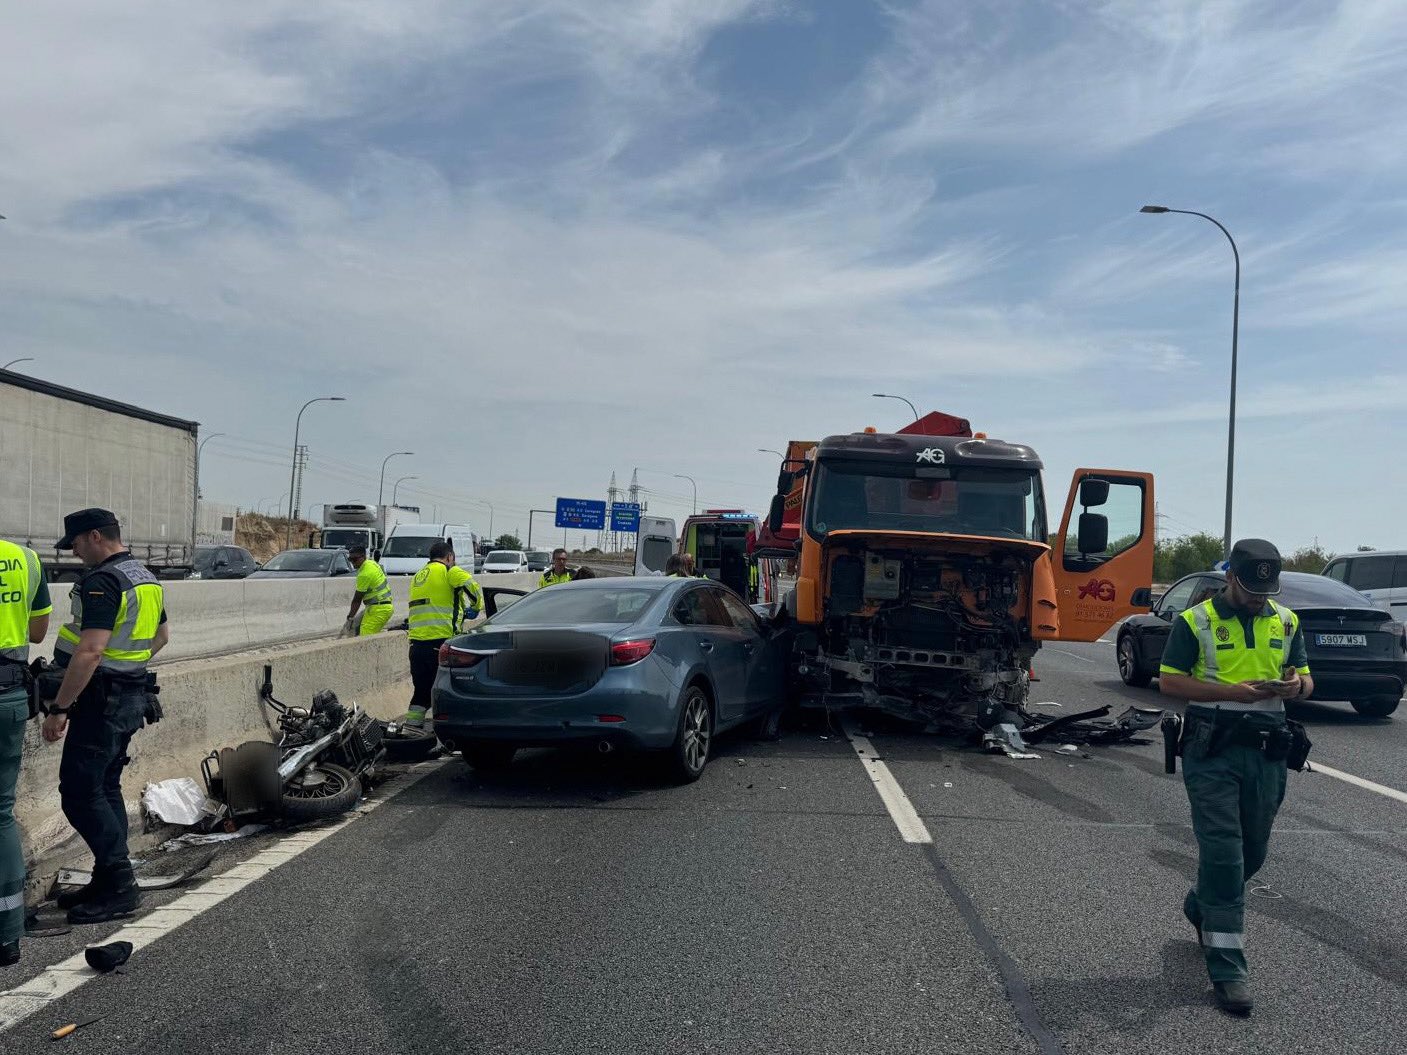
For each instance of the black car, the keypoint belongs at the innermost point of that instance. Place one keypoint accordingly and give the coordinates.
(1357, 652)
(223, 562)
(306, 564)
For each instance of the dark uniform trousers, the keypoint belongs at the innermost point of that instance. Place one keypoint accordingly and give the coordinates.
(100, 728)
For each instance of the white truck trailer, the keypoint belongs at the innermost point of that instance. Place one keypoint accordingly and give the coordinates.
(63, 450)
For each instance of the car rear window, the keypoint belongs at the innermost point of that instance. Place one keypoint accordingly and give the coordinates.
(504, 556)
(1317, 591)
(565, 606)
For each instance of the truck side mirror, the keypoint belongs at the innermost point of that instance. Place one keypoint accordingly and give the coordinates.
(776, 512)
(1093, 492)
(785, 482)
(376, 555)
(1094, 532)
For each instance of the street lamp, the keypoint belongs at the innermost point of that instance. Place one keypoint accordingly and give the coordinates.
(1235, 327)
(490, 505)
(881, 395)
(681, 476)
(769, 450)
(12, 362)
(381, 487)
(397, 484)
(293, 474)
(195, 505)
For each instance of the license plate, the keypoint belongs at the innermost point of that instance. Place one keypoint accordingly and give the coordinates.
(1342, 640)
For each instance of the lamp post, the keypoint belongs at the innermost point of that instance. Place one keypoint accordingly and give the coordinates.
(195, 503)
(396, 486)
(1235, 327)
(681, 476)
(24, 359)
(381, 487)
(293, 474)
(490, 505)
(769, 450)
(882, 395)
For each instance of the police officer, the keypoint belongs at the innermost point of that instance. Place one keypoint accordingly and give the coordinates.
(1235, 658)
(441, 594)
(558, 572)
(24, 620)
(674, 567)
(372, 590)
(118, 625)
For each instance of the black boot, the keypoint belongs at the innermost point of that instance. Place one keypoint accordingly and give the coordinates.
(10, 953)
(1233, 997)
(84, 894)
(116, 899)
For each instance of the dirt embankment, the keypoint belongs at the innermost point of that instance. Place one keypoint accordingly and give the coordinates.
(264, 536)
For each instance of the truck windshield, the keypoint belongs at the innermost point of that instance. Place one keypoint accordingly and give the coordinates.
(871, 495)
(340, 538)
(410, 545)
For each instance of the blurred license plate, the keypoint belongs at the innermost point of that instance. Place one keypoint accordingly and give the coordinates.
(1342, 640)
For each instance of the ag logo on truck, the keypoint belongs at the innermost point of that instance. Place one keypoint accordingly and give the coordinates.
(932, 454)
(1099, 589)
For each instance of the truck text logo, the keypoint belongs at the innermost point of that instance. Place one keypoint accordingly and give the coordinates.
(1099, 589)
(932, 454)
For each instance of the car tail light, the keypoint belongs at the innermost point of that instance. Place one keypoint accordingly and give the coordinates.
(610, 717)
(624, 653)
(458, 657)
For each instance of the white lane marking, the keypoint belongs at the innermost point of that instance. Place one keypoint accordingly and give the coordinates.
(901, 810)
(1072, 655)
(1349, 778)
(62, 978)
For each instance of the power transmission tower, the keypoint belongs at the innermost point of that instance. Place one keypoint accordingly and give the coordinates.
(612, 497)
(302, 463)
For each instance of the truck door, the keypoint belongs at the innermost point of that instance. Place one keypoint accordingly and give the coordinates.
(1102, 557)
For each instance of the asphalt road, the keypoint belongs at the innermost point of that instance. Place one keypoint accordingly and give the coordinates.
(575, 904)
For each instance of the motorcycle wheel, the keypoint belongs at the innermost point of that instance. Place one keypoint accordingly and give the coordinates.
(321, 790)
(405, 743)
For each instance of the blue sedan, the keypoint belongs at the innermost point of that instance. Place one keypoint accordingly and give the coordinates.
(656, 664)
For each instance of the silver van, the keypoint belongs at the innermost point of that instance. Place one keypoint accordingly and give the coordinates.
(1382, 576)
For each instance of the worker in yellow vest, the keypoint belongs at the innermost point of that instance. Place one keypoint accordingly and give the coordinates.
(372, 590)
(24, 620)
(1235, 659)
(118, 625)
(559, 572)
(441, 596)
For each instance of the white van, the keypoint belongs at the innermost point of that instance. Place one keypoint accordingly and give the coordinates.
(510, 561)
(654, 545)
(1382, 576)
(408, 546)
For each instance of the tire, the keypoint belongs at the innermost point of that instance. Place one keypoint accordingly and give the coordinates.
(1129, 669)
(405, 743)
(1377, 707)
(322, 790)
(488, 756)
(686, 758)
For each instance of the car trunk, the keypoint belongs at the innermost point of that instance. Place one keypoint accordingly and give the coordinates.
(534, 662)
(1349, 633)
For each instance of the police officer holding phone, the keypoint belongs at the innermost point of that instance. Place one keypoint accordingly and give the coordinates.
(1235, 658)
(118, 625)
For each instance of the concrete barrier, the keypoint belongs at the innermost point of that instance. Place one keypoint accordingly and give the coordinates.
(212, 703)
(220, 617)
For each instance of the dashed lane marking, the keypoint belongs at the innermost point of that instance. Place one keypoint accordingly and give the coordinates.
(1358, 782)
(901, 810)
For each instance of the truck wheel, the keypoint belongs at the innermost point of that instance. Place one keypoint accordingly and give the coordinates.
(1377, 707)
(1128, 664)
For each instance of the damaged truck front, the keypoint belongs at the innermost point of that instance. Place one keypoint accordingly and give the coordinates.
(927, 581)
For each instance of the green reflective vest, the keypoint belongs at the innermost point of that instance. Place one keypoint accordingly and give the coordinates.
(437, 601)
(372, 584)
(1227, 657)
(20, 576)
(138, 616)
(549, 579)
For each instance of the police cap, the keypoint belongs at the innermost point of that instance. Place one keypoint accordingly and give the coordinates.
(1256, 565)
(77, 523)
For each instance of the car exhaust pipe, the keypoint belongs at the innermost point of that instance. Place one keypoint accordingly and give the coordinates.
(605, 747)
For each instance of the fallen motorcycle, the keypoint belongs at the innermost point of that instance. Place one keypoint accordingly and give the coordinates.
(324, 757)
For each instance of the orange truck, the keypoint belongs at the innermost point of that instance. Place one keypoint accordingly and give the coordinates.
(926, 578)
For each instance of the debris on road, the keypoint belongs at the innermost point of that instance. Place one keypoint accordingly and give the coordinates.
(1006, 739)
(72, 1027)
(36, 926)
(206, 838)
(108, 957)
(1089, 727)
(150, 874)
(1067, 749)
(178, 801)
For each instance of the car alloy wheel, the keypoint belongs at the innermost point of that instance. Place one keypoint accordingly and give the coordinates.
(1128, 663)
(688, 756)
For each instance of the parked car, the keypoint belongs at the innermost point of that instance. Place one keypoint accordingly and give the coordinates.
(1357, 652)
(505, 560)
(223, 562)
(651, 664)
(539, 559)
(1382, 577)
(305, 564)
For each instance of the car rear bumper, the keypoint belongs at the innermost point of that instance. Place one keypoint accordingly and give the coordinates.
(1379, 679)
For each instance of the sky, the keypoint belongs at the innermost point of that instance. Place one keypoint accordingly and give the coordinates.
(540, 241)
